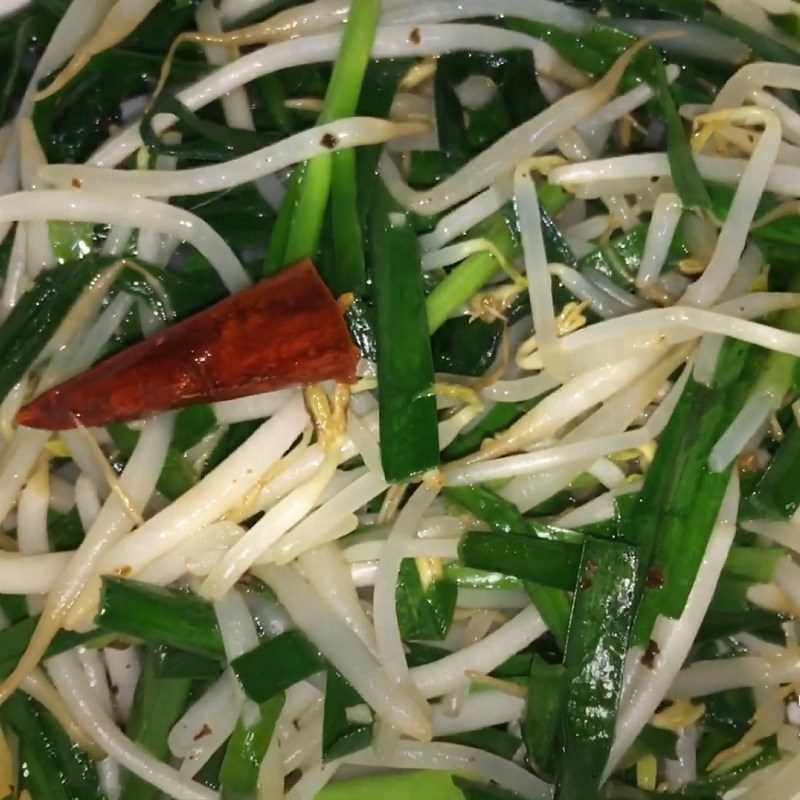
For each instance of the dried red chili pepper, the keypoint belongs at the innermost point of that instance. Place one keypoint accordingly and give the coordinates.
(286, 330)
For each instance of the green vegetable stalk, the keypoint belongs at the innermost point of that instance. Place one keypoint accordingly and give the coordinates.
(409, 434)
(157, 706)
(300, 219)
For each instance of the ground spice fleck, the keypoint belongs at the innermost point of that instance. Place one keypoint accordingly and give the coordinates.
(654, 578)
(204, 731)
(649, 657)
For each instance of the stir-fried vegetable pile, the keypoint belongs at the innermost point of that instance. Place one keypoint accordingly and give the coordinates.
(400, 400)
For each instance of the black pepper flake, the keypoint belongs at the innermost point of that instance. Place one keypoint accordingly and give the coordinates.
(654, 578)
(329, 140)
(649, 657)
(586, 583)
(415, 37)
